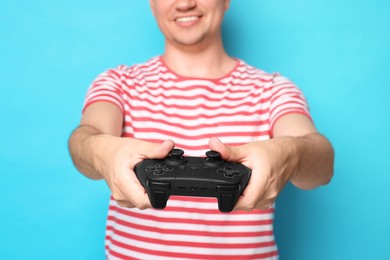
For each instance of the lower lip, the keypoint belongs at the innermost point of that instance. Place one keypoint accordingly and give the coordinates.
(189, 23)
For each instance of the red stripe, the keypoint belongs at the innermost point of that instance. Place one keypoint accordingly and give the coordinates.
(195, 221)
(194, 127)
(198, 137)
(289, 94)
(93, 100)
(252, 76)
(220, 88)
(104, 97)
(152, 62)
(208, 200)
(180, 145)
(217, 105)
(204, 97)
(190, 256)
(190, 232)
(103, 82)
(200, 115)
(193, 244)
(290, 105)
(114, 71)
(118, 255)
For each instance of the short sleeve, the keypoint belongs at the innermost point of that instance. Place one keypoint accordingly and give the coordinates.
(106, 87)
(286, 98)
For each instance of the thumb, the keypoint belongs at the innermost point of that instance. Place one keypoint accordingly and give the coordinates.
(163, 149)
(228, 153)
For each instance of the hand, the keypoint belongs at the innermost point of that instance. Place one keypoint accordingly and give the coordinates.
(117, 161)
(272, 166)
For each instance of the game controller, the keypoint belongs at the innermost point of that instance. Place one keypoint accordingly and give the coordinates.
(193, 176)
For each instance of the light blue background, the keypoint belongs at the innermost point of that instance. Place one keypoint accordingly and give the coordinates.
(338, 52)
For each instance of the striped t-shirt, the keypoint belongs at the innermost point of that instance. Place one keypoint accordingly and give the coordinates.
(159, 104)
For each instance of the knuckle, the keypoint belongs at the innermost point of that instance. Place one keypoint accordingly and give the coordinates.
(122, 203)
(249, 206)
(267, 204)
(143, 206)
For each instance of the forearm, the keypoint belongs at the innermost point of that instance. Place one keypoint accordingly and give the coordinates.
(311, 158)
(86, 145)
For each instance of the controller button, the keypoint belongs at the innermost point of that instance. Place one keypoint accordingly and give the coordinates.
(175, 158)
(158, 172)
(232, 174)
(167, 169)
(213, 159)
(177, 153)
(221, 171)
(150, 168)
(159, 185)
(227, 188)
(213, 155)
(159, 165)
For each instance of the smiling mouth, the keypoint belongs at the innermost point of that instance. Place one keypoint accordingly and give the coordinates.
(187, 19)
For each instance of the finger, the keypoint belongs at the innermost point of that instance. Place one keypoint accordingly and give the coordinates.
(156, 150)
(246, 202)
(133, 192)
(121, 199)
(138, 195)
(252, 194)
(163, 149)
(125, 204)
(228, 153)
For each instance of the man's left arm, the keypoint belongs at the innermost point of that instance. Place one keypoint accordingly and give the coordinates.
(296, 153)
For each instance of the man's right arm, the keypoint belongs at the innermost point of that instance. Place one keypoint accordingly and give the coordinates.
(98, 151)
(101, 124)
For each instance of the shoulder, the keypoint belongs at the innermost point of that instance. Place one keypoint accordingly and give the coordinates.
(275, 78)
(132, 71)
(251, 71)
(252, 75)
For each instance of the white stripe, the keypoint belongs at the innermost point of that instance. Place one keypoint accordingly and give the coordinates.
(289, 107)
(204, 131)
(200, 114)
(237, 83)
(135, 254)
(157, 76)
(191, 215)
(201, 141)
(105, 98)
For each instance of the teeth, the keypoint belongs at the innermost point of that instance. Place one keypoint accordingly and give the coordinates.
(186, 19)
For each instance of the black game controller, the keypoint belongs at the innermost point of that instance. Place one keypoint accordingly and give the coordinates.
(193, 176)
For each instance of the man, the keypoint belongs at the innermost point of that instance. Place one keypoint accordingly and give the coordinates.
(197, 98)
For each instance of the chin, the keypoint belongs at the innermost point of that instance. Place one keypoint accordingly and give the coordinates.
(189, 42)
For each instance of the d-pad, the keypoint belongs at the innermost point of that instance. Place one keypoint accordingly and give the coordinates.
(229, 172)
(158, 169)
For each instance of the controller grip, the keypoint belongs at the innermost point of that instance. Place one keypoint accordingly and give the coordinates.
(158, 193)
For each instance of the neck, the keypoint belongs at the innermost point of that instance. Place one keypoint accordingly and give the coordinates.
(198, 61)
